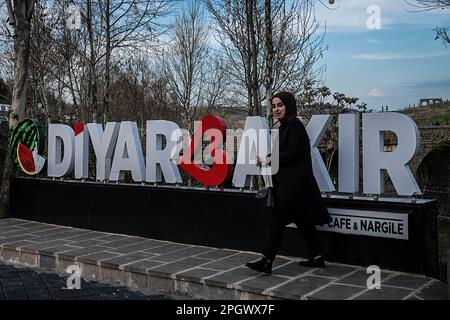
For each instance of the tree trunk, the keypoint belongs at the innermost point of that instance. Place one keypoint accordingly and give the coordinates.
(20, 18)
(92, 65)
(254, 57)
(269, 58)
(22, 53)
(248, 63)
(6, 181)
(107, 62)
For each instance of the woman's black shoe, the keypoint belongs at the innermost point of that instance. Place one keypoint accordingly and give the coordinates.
(262, 265)
(315, 262)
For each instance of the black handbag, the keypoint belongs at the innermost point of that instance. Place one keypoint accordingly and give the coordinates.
(266, 194)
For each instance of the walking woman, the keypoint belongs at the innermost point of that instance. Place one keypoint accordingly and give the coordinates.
(297, 195)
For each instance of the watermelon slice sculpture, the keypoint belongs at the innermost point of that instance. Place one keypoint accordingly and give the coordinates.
(29, 161)
(27, 145)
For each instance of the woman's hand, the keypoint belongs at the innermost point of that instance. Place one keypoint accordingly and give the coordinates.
(262, 160)
(258, 161)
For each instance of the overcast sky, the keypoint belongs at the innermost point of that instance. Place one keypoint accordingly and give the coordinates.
(395, 65)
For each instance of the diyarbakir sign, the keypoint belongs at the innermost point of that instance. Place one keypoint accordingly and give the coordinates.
(118, 149)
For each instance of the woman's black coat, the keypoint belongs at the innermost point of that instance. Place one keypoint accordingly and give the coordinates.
(297, 195)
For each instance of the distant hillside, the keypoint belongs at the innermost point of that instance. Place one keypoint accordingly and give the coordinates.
(431, 115)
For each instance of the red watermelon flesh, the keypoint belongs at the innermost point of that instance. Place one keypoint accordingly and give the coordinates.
(26, 160)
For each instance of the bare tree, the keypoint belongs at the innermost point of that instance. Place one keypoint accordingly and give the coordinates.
(19, 17)
(427, 5)
(185, 62)
(296, 45)
(131, 24)
(233, 34)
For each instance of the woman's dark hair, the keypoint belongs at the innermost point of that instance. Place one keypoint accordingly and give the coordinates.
(290, 103)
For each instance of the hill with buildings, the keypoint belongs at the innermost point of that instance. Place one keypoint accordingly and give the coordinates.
(431, 115)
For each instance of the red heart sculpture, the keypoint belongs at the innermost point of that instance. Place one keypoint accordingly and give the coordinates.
(222, 169)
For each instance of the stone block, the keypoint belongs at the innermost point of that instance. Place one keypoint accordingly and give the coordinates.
(90, 271)
(47, 262)
(138, 281)
(114, 276)
(28, 259)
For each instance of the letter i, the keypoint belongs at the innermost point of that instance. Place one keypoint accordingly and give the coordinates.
(81, 151)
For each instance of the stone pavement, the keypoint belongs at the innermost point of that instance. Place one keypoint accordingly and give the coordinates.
(24, 283)
(196, 271)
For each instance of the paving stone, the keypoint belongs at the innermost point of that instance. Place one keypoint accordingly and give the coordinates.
(139, 247)
(11, 222)
(28, 224)
(196, 274)
(133, 295)
(334, 270)
(59, 294)
(261, 283)
(359, 278)
(18, 244)
(183, 253)
(58, 249)
(13, 288)
(124, 242)
(291, 270)
(168, 248)
(16, 295)
(141, 266)
(112, 296)
(97, 257)
(90, 235)
(5, 275)
(18, 238)
(336, 292)
(384, 293)
(407, 281)
(280, 261)
(300, 287)
(125, 259)
(178, 266)
(35, 292)
(44, 296)
(78, 252)
(231, 262)
(40, 227)
(9, 229)
(83, 292)
(45, 245)
(4, 230)
(435, 291)
(87, 243)
(17, 232)
(56, 232)
(216, 254)
(112, 237)
(231, 277)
